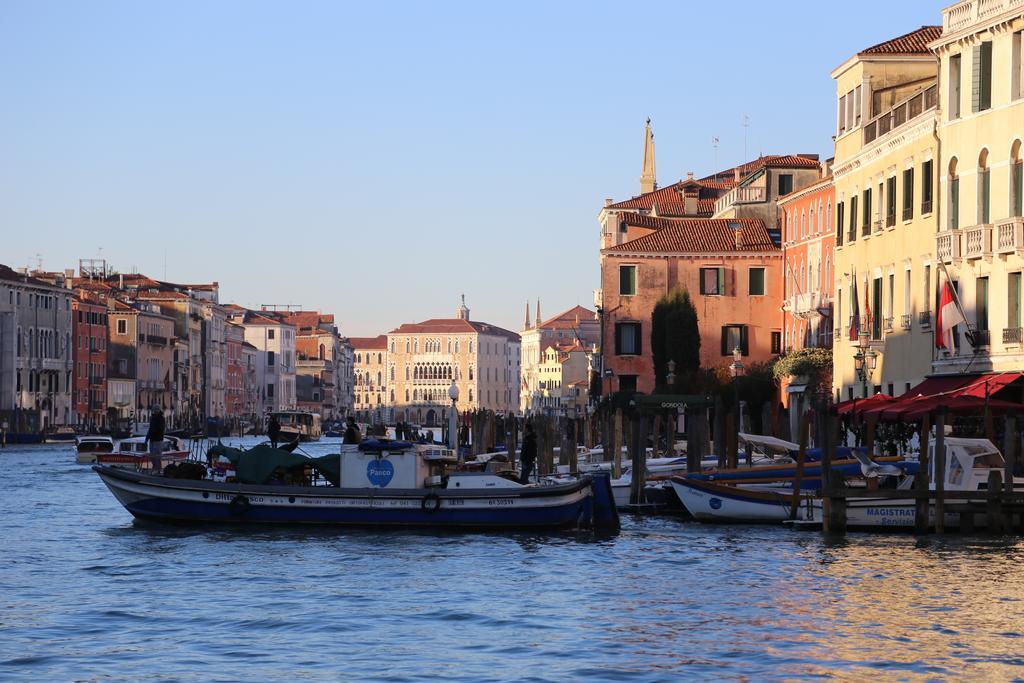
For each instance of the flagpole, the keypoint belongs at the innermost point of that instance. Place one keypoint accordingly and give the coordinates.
(956, 295)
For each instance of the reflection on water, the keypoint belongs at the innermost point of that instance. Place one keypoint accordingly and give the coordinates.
(87, 593)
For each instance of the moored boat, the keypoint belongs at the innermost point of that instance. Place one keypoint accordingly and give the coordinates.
(388, 485)
(134, 453)
(88, 446)
(62, 434)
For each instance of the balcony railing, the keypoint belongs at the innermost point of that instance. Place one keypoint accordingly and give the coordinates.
(878, 225)
(1011, 335)
(947, 245)
(901, 112)
(888, 324)
(924, 319)
(1009, 235)
(905, 321)
(865, 229)
(926, 206)
(978, 338)
(978, 242)
(964, 14)
(908, 213)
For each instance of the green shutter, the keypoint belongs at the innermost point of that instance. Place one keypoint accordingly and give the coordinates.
(1013, 301)
(721, 281)
(954, 203)
(1018, 188)
(976, 78)
(985, 182)
(986, 75)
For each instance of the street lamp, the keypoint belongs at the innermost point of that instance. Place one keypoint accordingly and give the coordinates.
(453, 394)
(865, 360)
(670, 378)
(737, 369)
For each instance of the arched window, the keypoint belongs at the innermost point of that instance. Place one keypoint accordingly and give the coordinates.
(1016, 180)
(392, 373)
(811, 225)
(407, 374)
(984, 188)
(470, 395)
(407, 346)
(380, 358)
(392, 346)
(406, 395)
(828, 217)
(378, 378)
(471, 373)
(456, 346)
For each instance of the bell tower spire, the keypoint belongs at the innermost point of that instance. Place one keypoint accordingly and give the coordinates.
(526, 325)
(648, 181)
(538, 313)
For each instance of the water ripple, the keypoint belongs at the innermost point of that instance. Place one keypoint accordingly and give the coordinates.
(86, 593)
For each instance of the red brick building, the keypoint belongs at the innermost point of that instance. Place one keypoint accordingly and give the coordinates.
(732, 269)
(89, 354)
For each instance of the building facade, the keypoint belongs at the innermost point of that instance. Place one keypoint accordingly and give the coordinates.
(576, 325)
(274, 342)
(373, 373)
(732, 269)
(36, 351)
(89, 341)
(424, 358)
(234, 390)
(980, 171)
(885, 175)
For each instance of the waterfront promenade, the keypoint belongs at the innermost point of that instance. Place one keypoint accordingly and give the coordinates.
(90, 594)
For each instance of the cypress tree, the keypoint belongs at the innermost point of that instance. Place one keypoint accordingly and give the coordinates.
(675, 335)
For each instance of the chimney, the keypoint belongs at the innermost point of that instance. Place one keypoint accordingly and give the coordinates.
(736, 174)
(120, 281)
(608, 201)
(736, 233)
(689, 175)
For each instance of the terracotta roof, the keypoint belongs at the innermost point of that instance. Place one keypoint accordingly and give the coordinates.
(454, 326)
(702, 235)
(11, 275)
(567, 319)
(915, 42)
(378, 342)
(669, 199)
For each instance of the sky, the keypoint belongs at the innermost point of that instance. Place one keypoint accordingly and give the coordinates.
(378, 160)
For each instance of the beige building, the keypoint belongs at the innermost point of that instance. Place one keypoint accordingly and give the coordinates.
(980, 234)
(372, 400)
(885, 177)
(424, 358)
(562, 373)
(578, 324)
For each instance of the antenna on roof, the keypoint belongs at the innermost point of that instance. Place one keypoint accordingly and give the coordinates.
(714, 144)
(746, 125)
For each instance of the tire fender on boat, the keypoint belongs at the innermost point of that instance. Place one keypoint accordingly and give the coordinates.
(239, 505)
(431, 503)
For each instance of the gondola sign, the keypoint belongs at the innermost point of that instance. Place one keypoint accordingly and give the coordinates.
(380, 472)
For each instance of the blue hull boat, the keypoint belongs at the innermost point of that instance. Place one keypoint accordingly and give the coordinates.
(586, 502)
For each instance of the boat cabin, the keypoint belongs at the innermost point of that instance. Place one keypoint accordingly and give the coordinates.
(968, 462)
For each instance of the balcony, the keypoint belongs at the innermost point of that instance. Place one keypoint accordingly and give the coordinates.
(1010, 235)
(978, 242)
(979, 338)
(924, 319)
(901, 112)
(888, 322)
(865, 230)
(878, 225)
(1011, 335)
(748, 194)
(905, 321)
(947, 246)
(970, 12)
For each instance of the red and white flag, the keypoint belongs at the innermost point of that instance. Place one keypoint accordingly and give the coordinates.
(950, 316)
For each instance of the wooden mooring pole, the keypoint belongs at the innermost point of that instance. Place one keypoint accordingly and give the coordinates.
(921, 503)
(834, 502)
(940, 471)
(637, 459)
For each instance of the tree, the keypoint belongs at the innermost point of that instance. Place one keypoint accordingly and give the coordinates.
(675, 335)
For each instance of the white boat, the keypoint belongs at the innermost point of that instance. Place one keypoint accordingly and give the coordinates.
(87, 447)
(134, 453)
(63, 434)
(297, 424)
(968, 463)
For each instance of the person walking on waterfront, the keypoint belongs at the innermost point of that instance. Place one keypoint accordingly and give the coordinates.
(351, 432)
(155, 437)
(528, 454)
(273, 430)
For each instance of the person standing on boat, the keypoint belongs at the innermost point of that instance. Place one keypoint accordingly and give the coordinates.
(351, 432)
(155, 437)
(273, 430)
(528, 454)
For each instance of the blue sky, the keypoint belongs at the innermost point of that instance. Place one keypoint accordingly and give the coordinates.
(377, 160)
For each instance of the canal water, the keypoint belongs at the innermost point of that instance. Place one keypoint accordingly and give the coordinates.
(86, 593)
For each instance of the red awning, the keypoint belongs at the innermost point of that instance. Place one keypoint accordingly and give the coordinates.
(861, 404)
(959, 393)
